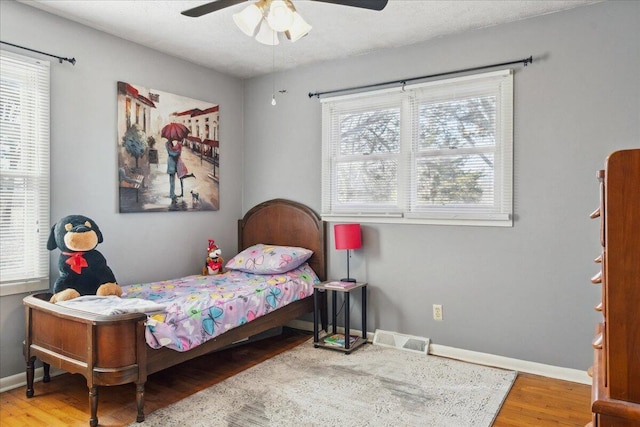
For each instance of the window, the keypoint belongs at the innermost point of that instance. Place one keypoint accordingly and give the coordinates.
(24, 174)
(438, 153)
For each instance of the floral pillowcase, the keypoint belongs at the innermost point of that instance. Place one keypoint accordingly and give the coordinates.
(269, 259)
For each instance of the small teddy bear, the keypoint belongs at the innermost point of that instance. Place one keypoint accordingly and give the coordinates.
(83, 270)
(213, 263)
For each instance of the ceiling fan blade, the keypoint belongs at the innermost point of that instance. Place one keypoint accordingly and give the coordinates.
(210, 7)
(221, 4)
(364, 4)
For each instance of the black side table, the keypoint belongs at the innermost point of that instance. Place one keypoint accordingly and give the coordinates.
(325, 340)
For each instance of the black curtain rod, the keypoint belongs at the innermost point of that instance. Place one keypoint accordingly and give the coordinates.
(59, 58)
(403, 82)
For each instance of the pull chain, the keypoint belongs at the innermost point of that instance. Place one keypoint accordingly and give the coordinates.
(273, 71)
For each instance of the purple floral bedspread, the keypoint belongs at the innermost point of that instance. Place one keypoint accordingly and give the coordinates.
(202, 307)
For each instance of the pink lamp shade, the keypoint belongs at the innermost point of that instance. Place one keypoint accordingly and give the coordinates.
(347, 236)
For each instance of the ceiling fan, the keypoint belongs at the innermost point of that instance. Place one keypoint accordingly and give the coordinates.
(264, 19)
(222, 4)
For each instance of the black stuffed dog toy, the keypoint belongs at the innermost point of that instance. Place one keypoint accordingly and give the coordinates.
(83, 270)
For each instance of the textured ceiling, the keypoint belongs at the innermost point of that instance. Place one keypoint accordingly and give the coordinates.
(338, 31)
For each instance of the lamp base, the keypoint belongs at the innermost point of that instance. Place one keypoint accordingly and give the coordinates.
(348, 279)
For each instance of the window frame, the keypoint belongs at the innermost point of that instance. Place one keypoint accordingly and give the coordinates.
(498, 84)
(36, 75)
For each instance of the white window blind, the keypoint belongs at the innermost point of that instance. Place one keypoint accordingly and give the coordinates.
(24, 173)
(439, 152)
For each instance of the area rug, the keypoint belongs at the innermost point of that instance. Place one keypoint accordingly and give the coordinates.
(373, 386)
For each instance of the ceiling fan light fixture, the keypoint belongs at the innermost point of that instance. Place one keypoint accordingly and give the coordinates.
(298, 29)
(249, 19)
(265, 19)
(280, 16)
(266, 35)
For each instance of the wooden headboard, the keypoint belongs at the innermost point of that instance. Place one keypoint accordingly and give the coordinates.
(285, 223)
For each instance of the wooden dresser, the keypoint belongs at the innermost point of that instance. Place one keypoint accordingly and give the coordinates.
(616, 368)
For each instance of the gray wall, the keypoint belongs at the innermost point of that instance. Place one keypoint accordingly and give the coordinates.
(84, 179)
(521, 292)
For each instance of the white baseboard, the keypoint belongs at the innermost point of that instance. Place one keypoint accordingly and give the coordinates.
(549, 371)
(19, 380)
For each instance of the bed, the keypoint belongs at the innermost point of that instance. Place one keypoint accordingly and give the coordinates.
(113, 350)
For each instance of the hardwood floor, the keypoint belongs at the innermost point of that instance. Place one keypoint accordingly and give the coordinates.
(533, 400)
(541, 402)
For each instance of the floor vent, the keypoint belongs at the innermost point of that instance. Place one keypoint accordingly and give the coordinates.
(401, 341)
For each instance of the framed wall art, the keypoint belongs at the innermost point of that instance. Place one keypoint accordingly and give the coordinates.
(168, 151)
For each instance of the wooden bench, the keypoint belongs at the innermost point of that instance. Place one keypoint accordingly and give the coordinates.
(133, 185)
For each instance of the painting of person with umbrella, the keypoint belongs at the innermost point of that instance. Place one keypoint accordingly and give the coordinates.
(166, 135)
(174, 133)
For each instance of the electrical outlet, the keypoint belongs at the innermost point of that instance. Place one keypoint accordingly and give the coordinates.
(437, 311)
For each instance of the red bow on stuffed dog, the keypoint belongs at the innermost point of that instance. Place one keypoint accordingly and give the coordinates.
(76, 261)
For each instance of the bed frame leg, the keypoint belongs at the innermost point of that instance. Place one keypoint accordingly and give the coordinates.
(140, 402)
(30, 371)
(93, 401)
(47, 368)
